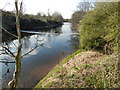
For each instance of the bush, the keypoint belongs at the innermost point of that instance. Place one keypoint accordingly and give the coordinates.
(99, 28)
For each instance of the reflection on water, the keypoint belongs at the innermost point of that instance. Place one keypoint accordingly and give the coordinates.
(49, 47)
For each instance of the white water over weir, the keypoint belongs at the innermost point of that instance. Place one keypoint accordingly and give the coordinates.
(42, 33)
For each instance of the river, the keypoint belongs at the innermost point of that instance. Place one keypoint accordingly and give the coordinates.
(51, 46)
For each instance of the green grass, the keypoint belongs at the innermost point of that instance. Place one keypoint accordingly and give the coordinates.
(58, 68)
(98, 63)
(104, 77)
(75, 68)
(100, 78)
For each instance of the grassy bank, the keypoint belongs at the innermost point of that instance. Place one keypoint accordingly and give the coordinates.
(84, 69)
(58, 67)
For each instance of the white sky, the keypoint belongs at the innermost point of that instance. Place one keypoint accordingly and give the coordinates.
(65, 7)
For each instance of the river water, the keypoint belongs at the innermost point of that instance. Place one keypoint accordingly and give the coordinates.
(49, 48)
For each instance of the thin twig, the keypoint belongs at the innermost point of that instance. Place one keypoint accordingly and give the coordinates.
(2, 53)
(6, 62)
(10, 53)
(7, 53)
(8, 32)
(14, 44)
(29, 51)
(3, 59)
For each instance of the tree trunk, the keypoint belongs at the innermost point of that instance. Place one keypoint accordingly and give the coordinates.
(13, 83)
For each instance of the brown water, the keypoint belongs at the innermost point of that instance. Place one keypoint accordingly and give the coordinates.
(53, 46)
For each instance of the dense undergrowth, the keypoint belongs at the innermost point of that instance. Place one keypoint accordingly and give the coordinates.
(99, 27)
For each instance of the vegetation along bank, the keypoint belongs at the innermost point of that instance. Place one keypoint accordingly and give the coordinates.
(97, 66)
(31, 22)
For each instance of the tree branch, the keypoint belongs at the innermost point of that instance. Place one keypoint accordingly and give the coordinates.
(29, 51)
(8, 51)
(8, 32)
(6, 62)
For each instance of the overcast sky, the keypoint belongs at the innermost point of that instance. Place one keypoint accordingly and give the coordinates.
(65, 7)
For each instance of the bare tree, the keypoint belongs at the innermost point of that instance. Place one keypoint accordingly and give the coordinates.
(22, 8)
(15, 57)
(48, 15)
(85, 6)
(13, 83)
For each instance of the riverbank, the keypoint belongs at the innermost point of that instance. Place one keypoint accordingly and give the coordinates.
(28, 22)
(84, 69)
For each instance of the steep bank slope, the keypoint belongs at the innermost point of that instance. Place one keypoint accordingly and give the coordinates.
(89, 69)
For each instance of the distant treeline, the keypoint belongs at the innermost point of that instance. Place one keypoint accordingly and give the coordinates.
(99, 27)
(31, 22)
